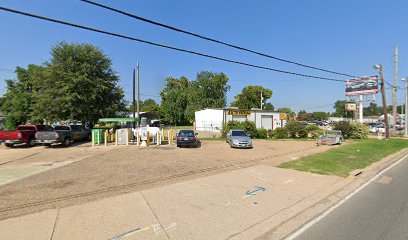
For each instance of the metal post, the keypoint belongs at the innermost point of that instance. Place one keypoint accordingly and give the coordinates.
(394, 91)
(138, 93)
(361, 109)
(406, 108)
(134, 98)
(387, 126)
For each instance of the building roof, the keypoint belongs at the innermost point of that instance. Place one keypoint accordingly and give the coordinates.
(235, 108)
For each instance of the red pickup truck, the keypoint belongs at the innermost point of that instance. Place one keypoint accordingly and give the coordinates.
(23, 134)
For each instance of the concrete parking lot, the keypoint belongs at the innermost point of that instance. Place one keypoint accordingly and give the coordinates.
(79, 174)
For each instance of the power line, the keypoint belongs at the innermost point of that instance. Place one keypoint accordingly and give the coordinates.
(6, 70)
(162, 45)
(212, 39)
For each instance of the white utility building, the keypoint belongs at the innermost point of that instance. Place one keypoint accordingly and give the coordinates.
(212, 120)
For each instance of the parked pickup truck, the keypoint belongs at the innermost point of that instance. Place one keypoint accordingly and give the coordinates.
(63, 134)
(23, 134)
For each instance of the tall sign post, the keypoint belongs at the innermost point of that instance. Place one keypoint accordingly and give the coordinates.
(360, 87)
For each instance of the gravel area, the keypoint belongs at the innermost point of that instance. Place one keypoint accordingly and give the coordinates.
(129, 168)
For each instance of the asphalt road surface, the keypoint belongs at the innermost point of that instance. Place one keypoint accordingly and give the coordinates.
(378, 211)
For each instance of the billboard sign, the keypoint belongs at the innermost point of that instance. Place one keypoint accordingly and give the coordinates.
(361, 86)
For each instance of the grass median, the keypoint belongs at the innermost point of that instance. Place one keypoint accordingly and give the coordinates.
(344, 159)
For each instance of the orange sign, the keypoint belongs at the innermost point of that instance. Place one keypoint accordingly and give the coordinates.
(283, 116)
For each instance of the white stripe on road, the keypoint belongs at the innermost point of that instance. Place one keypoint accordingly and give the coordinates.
(317, 219)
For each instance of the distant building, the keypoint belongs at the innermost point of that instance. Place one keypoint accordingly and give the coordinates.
(212, 120)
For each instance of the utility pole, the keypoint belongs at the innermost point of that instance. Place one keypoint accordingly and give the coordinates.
(261, 101)
(406, 106)
(138, 92)
(394, 91)
(134, 99)
(387, 126)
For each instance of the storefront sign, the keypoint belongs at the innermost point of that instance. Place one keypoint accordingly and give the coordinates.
(239, 112)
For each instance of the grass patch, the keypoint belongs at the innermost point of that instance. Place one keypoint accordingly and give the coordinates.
(342, 160)
(291, 139)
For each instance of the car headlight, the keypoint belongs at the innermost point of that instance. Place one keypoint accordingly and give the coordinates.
(235, 141)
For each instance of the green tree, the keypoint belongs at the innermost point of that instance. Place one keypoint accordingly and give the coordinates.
(286, 110)
(320, 116)
(269, 106)
(174, 100)
(148, 105)
(301, 112)
(250, 97)
(79, 84)
(373, 110)
(207, 91)
(17, 104)
(340, 110)
(305, 117)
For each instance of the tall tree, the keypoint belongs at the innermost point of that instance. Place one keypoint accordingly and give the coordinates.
(79, 84)
(207, 91)
(250, 97)
(174, 100)
(17, 104)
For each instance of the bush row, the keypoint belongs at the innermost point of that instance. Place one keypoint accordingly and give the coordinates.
(296, 129)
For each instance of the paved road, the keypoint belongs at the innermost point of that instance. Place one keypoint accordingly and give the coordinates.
(379, 211)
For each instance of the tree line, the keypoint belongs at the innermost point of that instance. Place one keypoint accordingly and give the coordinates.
(79, 83)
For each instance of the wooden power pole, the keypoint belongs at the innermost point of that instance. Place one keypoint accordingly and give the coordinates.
(387, 126)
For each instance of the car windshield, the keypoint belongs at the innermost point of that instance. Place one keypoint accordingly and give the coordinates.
(238, 133)
(44, 128)
(26, 128)
(186, 134)
(61, 128)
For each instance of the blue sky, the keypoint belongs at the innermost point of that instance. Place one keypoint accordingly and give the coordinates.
(346, 36)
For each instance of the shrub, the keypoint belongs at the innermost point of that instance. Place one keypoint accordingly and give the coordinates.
(270, 133)
(345, 128)
(261, 133)
(314, 131)
(359, 131)
(248, 126)
(296, 129)
(231, 125)
(280, 133)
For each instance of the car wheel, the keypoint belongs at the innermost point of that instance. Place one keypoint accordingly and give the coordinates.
(31, 142)
(9, 145)
(178, 145)
(340, 141)
(67, 142)
(47, 144)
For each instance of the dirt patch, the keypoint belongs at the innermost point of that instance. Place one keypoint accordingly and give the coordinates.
(130, 168)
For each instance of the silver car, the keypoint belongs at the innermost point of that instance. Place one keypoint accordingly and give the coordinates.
(239, 139)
